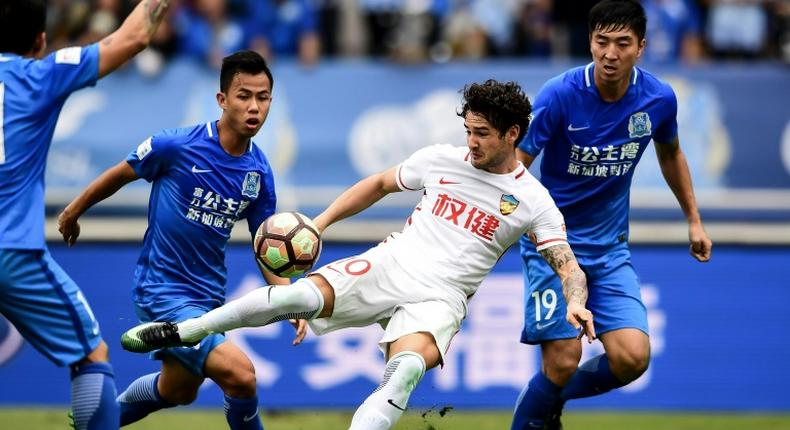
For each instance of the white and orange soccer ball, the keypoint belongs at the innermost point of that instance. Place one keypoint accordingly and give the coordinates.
(287, 244)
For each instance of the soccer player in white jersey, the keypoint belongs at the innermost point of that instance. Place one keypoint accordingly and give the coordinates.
(477, 202)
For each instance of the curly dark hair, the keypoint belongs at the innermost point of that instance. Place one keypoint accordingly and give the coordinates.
(503, 105)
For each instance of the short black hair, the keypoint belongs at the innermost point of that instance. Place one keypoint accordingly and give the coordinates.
(618, 15)
(21, 21)
(503, 105)
(242, 62)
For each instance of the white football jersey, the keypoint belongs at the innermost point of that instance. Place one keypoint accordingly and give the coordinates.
(468, 218)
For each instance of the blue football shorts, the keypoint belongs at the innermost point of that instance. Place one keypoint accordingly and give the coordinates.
(193, 358)
(614, 297)
(46, 306)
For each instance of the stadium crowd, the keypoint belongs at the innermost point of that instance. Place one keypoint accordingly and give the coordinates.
(414, 31)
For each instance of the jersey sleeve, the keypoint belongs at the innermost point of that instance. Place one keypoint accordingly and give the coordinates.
(545, 117)
(152, 157)
(667, 131)
(548, 226)
(265, 205)
(67, 70)
(410, 174)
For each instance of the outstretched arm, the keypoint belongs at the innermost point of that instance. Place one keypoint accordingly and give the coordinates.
(107, 184)
(133, 36)
(359, 197)
(574, 287)
(676, 172)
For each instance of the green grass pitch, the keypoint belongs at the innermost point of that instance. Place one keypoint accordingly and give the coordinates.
(199, 419)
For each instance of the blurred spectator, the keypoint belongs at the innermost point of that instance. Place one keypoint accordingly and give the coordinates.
(480, 28)
(673, 31)
(570, 23)
(418, 30)
(206, 32)
(533, 33)
(780, 29)
(66, 21)
(736, 28)
(283, 28)
(106, 17)
(382, 18)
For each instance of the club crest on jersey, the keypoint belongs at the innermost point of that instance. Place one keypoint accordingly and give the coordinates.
(639, 125)
(252, 185)
(508, 204)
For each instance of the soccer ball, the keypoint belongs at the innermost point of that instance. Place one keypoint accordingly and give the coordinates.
(287, 244)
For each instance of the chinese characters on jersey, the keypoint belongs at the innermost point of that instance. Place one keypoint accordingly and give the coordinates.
(603, 162)
(211, 209)
(473, 219)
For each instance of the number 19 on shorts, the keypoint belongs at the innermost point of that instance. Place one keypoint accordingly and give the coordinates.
(545, 304)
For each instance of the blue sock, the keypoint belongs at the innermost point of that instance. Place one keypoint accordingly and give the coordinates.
(140, 399)
(242, 414)
(536, 401)
(593, 377)
(93, 397)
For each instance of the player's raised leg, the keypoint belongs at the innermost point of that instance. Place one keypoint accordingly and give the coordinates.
(305, 299)
(408, 359)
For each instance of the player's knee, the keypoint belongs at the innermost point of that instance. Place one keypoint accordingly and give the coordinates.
(99, 355)
(629, 364)
(181, 395)
(560, 361)
(562, 368)
(238, 382)
(411, 368)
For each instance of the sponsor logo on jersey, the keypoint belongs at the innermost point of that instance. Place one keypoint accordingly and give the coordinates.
(508, 204)
(70, 55)
(639, 125)
(252, 185)
(144, 149)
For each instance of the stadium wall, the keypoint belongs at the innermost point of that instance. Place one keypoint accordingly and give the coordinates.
(331, 125)
(718, 338)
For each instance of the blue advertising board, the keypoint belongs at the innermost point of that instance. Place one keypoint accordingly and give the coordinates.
(719, 338)
(334, 124)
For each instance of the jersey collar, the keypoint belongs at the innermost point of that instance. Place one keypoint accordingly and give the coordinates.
(589, 80)
(7, 56)
(213, 134)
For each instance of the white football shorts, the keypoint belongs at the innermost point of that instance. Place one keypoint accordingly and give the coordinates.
(374, 288)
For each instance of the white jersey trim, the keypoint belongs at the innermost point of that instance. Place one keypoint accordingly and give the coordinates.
(587, 75)
(210, 131)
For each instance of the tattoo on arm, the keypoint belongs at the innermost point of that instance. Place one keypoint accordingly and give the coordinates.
(154, 12)
(574, 287)
(107, 41)
(574, 282)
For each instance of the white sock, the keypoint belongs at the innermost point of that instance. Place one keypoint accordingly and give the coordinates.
(382, 409)
(301, 300)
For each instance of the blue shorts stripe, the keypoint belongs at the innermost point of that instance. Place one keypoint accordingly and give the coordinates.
(75, 319)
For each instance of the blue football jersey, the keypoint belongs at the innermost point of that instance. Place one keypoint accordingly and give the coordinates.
(591, 148)
(199, 191)
(32, 93)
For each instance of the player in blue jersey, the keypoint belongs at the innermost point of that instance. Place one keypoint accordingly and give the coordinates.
(592, 124)
(36, 295)
(205, 178)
